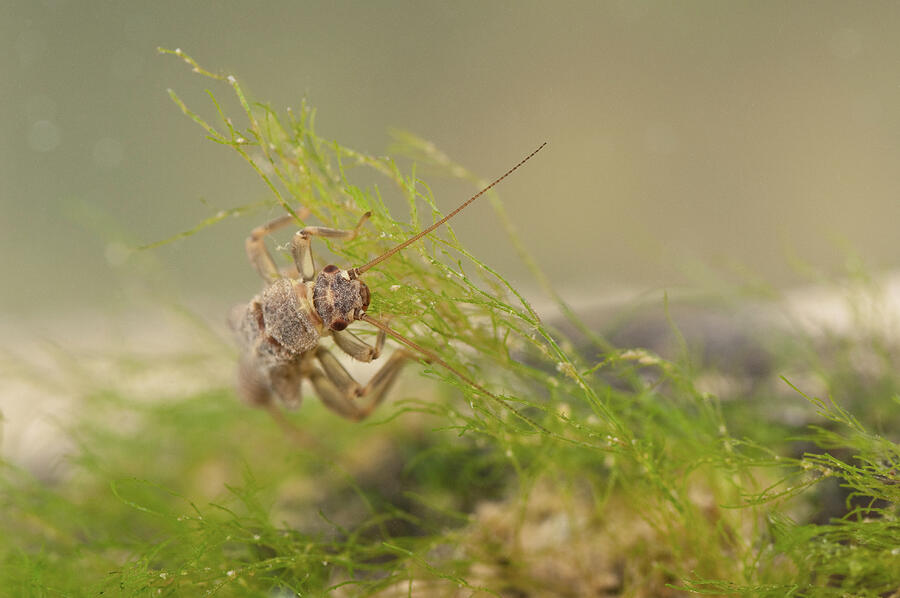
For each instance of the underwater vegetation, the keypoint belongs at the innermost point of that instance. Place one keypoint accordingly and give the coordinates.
(597, 468)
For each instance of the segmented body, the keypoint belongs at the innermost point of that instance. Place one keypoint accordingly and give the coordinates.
(277, 330)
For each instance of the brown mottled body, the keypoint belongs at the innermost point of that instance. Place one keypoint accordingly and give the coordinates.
(339, 297)
(276, 330)
(280, 330)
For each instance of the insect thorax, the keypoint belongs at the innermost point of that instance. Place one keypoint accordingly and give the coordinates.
(279, 324)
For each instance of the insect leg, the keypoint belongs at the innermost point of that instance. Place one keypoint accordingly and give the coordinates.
(251, 386)
(257, 252)
(356, 348)
(300, 245)
(337, 389)
(285, 381)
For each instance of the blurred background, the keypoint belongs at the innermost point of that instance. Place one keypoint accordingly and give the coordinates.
(740, 147)
(734, 138)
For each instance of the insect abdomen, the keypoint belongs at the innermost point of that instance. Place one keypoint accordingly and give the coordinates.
(288, 317)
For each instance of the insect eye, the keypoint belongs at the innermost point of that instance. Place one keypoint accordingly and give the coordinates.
(365, 296)
(339, 325)
(330, 269)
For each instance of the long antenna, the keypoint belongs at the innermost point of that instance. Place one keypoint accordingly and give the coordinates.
(432, 356)
(357, 271)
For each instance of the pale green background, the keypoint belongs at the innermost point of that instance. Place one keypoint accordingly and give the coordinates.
(731, 134)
